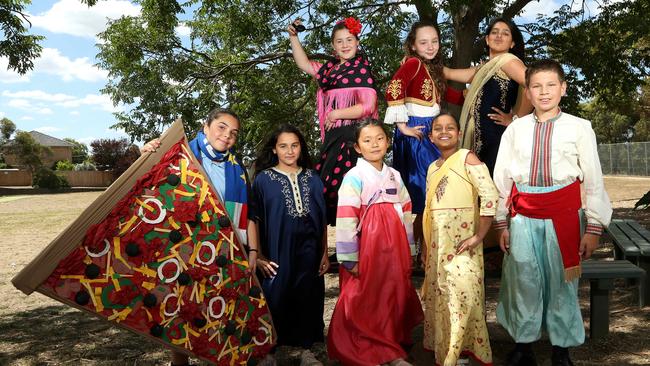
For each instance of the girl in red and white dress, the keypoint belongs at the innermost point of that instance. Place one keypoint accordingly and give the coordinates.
(413, 97)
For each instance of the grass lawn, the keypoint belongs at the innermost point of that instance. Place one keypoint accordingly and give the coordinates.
(37, 330)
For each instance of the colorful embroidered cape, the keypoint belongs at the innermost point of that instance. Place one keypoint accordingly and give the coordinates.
(156, 254)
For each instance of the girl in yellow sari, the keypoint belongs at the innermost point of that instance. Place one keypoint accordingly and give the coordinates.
(454, 225)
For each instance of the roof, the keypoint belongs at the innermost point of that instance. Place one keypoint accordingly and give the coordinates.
(47, 140)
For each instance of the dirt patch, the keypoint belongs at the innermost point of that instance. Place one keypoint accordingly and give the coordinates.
(39, 331)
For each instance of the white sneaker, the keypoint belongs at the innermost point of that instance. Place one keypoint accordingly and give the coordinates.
(307, 358)
(462, 362)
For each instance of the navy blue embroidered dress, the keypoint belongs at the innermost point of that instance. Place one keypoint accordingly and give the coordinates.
(290, 212)
(501, 92)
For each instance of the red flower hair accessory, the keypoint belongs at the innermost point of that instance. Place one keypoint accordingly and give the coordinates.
(353, 25)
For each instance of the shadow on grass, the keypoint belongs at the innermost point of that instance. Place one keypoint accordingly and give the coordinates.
(62, 335)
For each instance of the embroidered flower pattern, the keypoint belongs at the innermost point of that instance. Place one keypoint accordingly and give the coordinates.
(427, 89)
(296, 198)
(440, 189)
(395, 88)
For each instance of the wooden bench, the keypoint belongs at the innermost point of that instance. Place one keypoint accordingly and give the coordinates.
(632, 242)
(601, 276)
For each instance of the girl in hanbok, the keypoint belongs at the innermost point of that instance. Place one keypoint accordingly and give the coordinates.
(287, 213)
(455, 224)
(345, 95)
(378, 307)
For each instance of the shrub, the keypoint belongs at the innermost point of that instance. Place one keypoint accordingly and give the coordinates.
(64, 165)
(3, 166)
(86, 165)
(47, 178)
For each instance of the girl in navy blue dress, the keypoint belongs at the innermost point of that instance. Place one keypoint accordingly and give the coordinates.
(495, 96)
(287, 208)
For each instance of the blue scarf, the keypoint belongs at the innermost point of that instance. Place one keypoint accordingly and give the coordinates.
(236, 187)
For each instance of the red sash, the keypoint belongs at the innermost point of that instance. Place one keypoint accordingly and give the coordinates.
(561, 207)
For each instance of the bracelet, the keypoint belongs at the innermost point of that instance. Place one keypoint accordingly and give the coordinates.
(252, 250)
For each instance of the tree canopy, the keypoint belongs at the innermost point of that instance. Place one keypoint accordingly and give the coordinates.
(237, 54)
(79, 151)
(7, 128)
(114, 154)
(17, 45)
(28, 151)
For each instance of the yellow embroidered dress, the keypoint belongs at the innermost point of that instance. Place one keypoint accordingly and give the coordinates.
(453, 295)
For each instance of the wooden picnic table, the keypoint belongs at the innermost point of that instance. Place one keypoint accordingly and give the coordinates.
(601, 275)
(632, 242)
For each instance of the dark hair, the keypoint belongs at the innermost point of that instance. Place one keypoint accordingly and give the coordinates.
(434, 66)
(340, 25)
(442, 114)
(365, 122)
(218, 112)
(517, 37)
(267, 159)
(545, 65)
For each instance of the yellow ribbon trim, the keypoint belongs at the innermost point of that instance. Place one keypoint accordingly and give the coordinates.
(128, 225)
(173, 223)
(144, 205)
(146, 271)
(183, 165)
(118, 251)
(184, 193)
(121, 315)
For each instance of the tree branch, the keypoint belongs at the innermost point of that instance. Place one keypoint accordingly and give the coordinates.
(426, 12)
(248, 64)
(514, 8)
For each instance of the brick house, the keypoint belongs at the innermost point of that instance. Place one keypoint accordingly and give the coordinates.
(61, 150)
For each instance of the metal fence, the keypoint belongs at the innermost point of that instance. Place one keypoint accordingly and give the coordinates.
(628, 158)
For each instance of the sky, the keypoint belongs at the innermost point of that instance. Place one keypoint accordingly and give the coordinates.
(61, 96)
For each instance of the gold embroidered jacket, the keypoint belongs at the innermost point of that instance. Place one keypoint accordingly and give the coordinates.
(412, 83)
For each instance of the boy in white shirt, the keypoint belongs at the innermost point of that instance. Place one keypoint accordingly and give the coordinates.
(542, 159)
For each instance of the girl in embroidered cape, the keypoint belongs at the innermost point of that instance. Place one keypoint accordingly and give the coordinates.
(454, 226)
(287, 214)
(213, 147)
(413, 97)
(378, 307)
(345, 94)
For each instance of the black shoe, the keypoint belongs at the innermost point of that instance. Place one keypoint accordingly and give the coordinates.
(560, 357)
(522, 355)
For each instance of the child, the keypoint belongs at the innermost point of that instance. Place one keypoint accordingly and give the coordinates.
(413, 97)
(377, 307)
(454, 298)
(493, 98)
(345, 95)
(542, 160)
(288, 217)
(213, 148)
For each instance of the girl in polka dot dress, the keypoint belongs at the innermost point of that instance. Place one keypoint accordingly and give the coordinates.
(345, 94)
